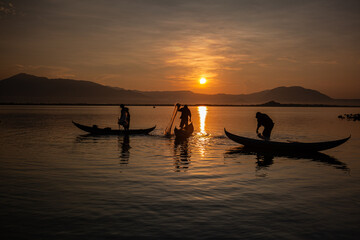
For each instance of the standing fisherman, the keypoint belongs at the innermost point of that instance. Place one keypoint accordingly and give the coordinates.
(185, 116)
(124, 119)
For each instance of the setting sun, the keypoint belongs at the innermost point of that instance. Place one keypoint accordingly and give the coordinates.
(202, 80)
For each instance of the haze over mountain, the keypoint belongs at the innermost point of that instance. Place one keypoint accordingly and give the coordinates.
(25, 88)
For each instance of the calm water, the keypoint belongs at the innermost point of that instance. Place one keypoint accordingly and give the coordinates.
(57, 183)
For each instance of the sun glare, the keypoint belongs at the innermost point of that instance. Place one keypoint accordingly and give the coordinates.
(202, 113)
(202, 80)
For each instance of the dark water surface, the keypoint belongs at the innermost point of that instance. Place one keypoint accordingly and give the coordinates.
(58, 183)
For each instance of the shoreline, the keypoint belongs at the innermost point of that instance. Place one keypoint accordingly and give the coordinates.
(193, 105)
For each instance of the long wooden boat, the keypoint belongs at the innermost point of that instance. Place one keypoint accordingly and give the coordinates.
(185, 132)
(262, 145)
(108, 131)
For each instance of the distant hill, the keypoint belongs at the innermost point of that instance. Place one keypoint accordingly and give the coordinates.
(25, 88)
(289, 95)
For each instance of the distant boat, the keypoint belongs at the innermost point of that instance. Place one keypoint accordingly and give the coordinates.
(262, 145)
(108, 131)
(185, 132)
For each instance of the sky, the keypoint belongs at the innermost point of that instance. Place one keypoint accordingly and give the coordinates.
(239, 46)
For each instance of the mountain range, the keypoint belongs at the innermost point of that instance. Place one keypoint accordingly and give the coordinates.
(25, 88)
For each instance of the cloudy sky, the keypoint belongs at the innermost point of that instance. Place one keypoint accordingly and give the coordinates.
(239, 46)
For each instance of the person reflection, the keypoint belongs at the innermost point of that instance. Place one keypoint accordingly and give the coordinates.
(182, 155)
(264, 160)
(124, 147)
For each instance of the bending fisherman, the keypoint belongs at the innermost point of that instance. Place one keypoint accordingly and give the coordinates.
(265, 121)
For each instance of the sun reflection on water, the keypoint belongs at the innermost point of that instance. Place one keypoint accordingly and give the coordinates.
(202, 135)
(202, 113)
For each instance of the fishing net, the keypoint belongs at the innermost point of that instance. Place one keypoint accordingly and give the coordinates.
(169, 126)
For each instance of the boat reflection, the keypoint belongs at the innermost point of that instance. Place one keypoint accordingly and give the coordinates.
(265, 159)
(85, 137)
(124, 147)
(182, 156)
(123, 144)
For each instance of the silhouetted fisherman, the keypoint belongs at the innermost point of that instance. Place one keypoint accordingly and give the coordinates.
(124, 119)
(185, 115)
(265, 121)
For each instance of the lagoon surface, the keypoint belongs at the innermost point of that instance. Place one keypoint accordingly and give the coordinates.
(56, 182)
